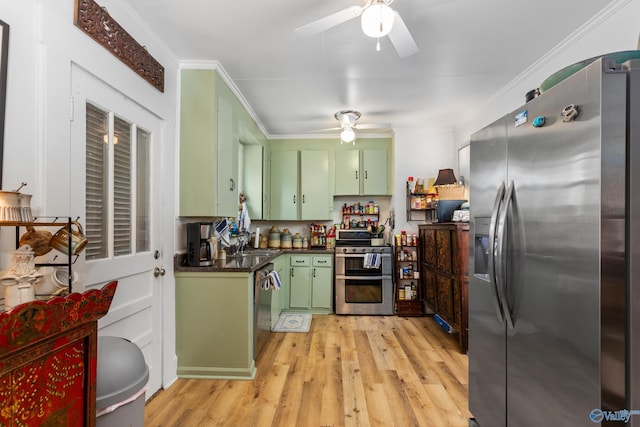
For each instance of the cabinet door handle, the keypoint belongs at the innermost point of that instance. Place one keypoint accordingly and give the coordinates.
(356, 174)
(320, 261)
(232, 184)
(292, 272)
(314, 272)
(294, 199)
(366, 175)
(303, 199)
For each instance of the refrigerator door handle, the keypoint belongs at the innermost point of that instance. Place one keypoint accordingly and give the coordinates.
(492, 254)
(501, 273)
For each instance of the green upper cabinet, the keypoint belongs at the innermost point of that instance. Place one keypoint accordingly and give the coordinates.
(283, 198)
(374, 171)
(299, 185)
(197, 143)
(314, 185)
(361, 172)
(211, 117)
(227, 161)
(347, 172)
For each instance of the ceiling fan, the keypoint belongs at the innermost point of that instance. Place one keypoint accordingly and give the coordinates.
(348, 125)
(377, 20)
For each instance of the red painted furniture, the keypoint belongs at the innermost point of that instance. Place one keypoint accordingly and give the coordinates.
(48, 360)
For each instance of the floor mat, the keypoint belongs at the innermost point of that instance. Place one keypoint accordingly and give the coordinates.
(293, 322)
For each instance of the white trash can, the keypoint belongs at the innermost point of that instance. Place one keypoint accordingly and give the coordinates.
(121, 382)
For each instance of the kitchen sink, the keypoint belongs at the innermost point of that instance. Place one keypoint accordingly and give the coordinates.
(261, 252)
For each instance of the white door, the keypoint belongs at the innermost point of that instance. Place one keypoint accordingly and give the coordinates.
(115, 160)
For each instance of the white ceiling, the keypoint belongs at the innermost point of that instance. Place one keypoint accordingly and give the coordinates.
(469, 49)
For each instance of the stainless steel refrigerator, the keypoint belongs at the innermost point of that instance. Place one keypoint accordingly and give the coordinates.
(555, 201)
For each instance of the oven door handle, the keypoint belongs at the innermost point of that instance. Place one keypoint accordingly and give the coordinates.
(360, 255)
(369, 278)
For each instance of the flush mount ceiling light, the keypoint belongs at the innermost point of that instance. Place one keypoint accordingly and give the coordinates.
(347, 119)
(377, 20)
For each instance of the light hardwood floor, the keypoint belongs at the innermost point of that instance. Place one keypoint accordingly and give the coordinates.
(347, 371)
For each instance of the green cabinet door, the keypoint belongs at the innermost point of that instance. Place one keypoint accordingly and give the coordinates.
(374, 172)
(299, 281)
(322, 282)
(283, 189)
(227, 162)
(315, 198)
(347, 173)
(276, 296)
(197, 142)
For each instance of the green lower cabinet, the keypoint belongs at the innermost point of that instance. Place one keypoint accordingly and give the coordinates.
(322, 282)
(299, 283)
(278, 302)
(311, 283)
(214, 325)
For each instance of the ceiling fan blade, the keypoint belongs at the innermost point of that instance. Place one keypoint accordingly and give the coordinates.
(401, 38)
(374, 126)
(330, 21)
(324, 130)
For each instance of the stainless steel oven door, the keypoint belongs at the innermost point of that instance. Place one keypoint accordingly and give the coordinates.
(353, 265)
(364, 295)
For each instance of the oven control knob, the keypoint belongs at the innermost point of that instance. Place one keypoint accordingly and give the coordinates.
(344, 250)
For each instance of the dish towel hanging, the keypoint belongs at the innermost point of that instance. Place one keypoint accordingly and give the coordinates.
(274, 279)
(244, 222)
(372, 260)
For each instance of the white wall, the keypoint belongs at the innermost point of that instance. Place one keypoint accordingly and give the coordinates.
(43, 43)
(418, 153)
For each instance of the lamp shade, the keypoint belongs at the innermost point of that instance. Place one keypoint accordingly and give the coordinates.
(445, 177)
(377, 20)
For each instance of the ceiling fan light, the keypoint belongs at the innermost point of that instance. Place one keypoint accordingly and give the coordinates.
(347, 135)
(377, 20)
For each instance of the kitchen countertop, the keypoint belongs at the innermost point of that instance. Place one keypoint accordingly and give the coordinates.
(251, 260)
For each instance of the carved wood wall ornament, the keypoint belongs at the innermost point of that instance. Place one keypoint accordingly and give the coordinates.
(95, 21)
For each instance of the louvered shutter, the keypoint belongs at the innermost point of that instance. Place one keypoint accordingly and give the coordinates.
(96, 182)
(122, 188)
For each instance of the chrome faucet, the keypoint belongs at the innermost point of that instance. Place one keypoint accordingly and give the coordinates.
(243, 238)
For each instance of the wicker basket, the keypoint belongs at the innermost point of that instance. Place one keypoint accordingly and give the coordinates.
(450, 192)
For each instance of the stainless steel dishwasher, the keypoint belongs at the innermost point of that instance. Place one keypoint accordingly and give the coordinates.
(261, 309)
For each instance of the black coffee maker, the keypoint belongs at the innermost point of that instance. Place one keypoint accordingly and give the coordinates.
(200, 250)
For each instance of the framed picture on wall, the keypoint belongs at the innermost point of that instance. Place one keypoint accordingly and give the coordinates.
(4, 57)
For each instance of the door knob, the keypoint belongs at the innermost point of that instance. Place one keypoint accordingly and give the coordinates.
(158, 271)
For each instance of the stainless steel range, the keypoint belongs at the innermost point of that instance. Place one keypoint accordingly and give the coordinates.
(364, 281)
